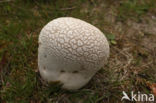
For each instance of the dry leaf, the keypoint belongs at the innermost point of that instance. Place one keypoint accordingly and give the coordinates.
(153, 88)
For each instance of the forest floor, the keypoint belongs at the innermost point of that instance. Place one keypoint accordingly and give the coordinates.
(129, 25)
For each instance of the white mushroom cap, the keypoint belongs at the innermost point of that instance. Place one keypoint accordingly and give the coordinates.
(71, 51)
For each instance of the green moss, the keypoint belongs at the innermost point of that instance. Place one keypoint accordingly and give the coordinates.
(134, 9)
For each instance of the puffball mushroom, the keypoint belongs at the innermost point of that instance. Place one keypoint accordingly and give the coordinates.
(71, 51)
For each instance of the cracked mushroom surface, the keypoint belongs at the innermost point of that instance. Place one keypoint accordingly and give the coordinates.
(71, 51)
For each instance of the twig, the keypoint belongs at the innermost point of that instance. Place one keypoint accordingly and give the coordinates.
(70, 8)
(1, 1)
(129, 61)
(147, 64)
(129, 57)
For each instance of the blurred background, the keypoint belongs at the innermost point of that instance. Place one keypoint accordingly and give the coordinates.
(129, 25)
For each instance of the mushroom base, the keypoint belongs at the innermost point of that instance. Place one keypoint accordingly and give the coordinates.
(69, 81)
